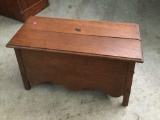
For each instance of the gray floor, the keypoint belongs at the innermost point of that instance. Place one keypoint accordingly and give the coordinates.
(53, 102)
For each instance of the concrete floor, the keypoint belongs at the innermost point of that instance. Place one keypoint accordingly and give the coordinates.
(53, 102)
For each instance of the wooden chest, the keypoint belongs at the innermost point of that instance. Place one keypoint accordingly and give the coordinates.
(21, 9)
(78, 54)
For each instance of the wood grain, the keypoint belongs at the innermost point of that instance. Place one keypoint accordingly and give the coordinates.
(117, 48)
(110, 29)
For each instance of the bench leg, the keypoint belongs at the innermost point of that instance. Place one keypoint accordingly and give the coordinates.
(26, 83)
(126, 98)
(128, 83)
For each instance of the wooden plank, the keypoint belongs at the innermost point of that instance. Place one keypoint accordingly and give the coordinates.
(110, 29)
(117, 48)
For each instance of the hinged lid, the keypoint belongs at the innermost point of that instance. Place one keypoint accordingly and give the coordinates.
(104, 39)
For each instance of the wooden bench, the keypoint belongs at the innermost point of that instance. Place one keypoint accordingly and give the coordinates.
(78, 54)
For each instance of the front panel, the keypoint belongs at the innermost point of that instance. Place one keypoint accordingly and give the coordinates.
(75, 71)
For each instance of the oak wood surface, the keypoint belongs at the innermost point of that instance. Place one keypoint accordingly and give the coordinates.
(102, 46)
(88, 42)
(96, 28)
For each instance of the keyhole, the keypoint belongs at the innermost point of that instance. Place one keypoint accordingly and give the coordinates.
(78, 29)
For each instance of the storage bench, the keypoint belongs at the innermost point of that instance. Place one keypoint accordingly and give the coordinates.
(78, 54)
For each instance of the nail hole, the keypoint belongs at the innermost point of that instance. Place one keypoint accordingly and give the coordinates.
(78, 29)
